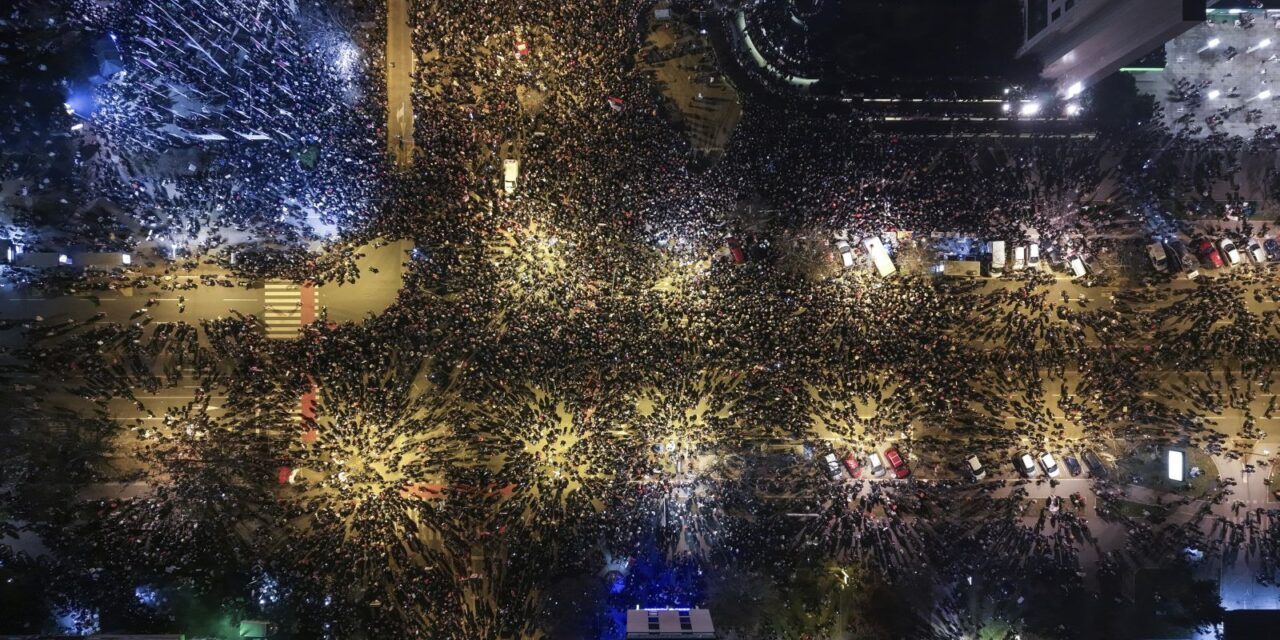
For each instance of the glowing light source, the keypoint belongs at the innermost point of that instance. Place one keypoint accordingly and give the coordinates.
(1214, 94)
(1176, 460)
(1075, 90)
(1029, 108)
(1073, 109)
(1213, 44)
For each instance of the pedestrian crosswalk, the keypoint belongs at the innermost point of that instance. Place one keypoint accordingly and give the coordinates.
(288, 306)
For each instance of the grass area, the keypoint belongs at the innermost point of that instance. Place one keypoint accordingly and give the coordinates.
(1136, 510)
(1150, 470)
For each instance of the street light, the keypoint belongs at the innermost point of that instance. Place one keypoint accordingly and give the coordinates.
(1073, 110)
(1030, 108)
(1075, 90)
(1006, 107)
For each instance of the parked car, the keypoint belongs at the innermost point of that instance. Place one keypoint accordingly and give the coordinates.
(976, 471)
(1230, 252)
(833, 466)
(1159, 259)
(846, 253)
(1181, 258)
(1205, 249)
(1094, 463)
(735, 251)
(875, 465)
(1073, 465)
(1019, 258)
(1272, 247)
(1026, 465)
(1033, 256)
(852, 465)
(1254, 249)
(1049, 465)
(895, 460)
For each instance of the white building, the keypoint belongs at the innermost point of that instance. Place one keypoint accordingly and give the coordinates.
(1082, 41)
(669, 624)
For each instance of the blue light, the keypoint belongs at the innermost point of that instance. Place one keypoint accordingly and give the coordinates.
(147, 596)
(77, 622)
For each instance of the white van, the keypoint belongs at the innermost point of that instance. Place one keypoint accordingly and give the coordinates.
(1019, 258)
(1033, 256)
(997, 258)
(510, 175)
(1077, 267)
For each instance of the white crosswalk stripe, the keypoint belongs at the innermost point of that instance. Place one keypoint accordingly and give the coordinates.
(283, 312)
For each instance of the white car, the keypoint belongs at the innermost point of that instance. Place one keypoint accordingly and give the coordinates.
(846, 253)
(1254, 249)
(1229, 251)
(833, 466)
(1077, 267)
(1033, 257)
(875, 464)
(1049, 465)
(1019, 258)
(1026, 465)
(975, 468)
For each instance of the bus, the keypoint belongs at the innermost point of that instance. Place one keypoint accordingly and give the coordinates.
(880, 257)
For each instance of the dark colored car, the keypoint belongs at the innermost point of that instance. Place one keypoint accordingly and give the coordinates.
(896, 462)
(1094, 463)
(1073, 465)
(1272, 248)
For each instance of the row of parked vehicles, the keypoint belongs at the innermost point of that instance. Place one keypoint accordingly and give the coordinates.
(1028, 466)
(1172, 256)
(875, 466)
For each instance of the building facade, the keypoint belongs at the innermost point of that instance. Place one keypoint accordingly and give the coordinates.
(1082, 41)
(669, 624)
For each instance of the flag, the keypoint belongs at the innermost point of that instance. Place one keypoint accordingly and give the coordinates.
(617, 104)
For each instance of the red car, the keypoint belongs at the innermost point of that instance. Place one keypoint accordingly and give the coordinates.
(852, 465)
(1206, 250)
(896, 462)
(736, 252)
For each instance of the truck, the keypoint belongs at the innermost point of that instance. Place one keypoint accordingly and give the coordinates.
(997, 258)
(510, 174)
(880, 257)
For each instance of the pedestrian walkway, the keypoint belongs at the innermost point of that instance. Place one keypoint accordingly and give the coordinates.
(289, 306)
(400, 60)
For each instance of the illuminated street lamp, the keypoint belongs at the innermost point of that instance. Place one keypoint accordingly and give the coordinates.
(1029, 109)
(1073, 110)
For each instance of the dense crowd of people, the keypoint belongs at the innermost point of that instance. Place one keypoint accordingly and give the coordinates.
(575, 374)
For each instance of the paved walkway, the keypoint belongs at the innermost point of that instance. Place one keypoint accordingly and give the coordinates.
(400, 61)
